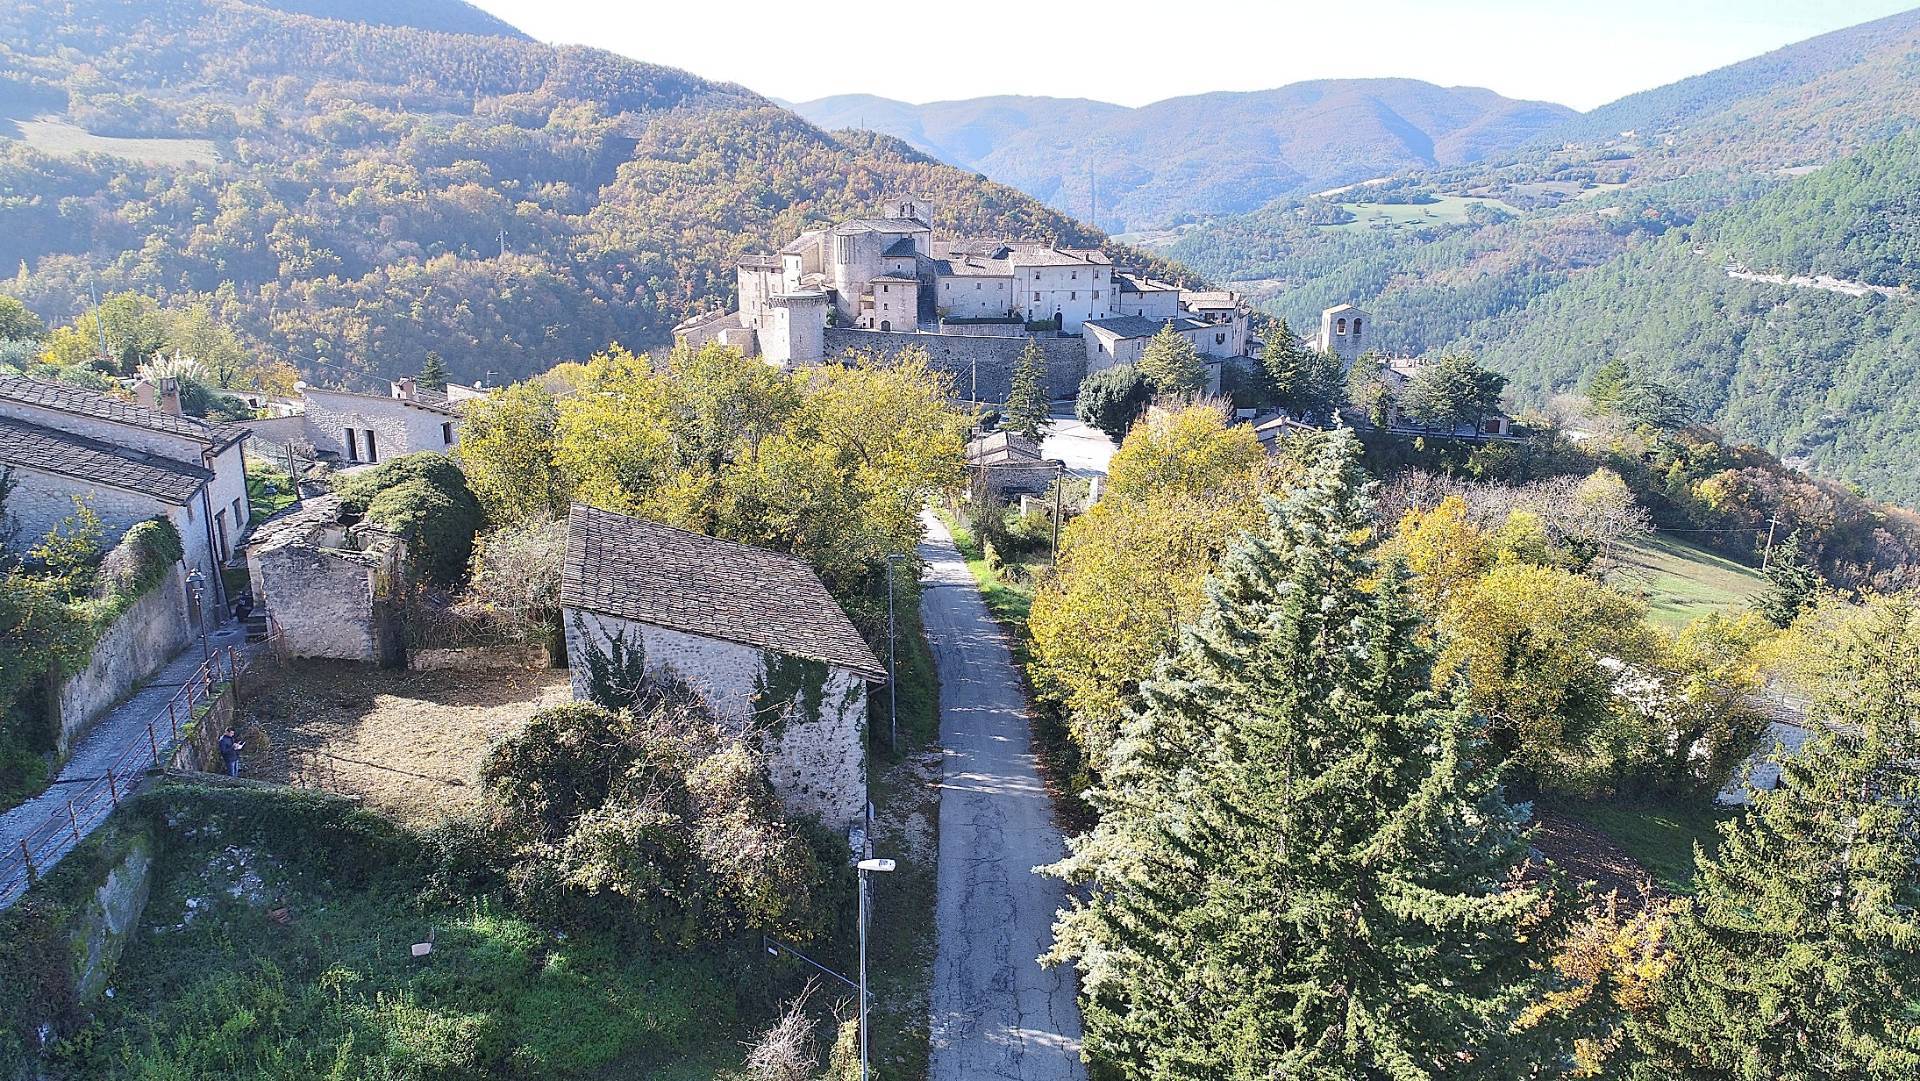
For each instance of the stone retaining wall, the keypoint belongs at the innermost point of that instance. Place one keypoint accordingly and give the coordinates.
(960, 356)
(140, 642)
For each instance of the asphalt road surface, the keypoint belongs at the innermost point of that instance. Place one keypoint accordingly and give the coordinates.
(1085, 450)
(996, 1012)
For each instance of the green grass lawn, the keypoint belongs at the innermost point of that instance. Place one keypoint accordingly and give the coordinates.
(1446, 210)
(1008, 601)
(1659, 836)
(1681, 582)
(212, 984)
(262, 502)
(65, 140)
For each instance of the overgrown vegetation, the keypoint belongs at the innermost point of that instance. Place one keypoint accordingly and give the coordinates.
(425, 500)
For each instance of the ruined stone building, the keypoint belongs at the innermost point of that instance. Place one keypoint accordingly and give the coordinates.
(751, 632)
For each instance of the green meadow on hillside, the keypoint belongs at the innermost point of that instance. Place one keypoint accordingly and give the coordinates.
(1681, 582)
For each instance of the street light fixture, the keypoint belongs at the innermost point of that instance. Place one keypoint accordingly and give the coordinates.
(865, 866)
(196, 589)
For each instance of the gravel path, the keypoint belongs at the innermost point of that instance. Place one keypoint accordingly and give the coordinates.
(996, 1012)
(42, 821)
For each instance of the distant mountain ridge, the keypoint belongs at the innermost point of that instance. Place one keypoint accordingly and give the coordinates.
(1187, 157)
(444, 16)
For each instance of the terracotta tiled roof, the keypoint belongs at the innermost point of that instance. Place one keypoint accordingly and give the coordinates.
(31, 446)
(666, 577)
(89, 403)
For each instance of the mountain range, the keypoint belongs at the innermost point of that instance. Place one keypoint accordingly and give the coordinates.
(1182, 158)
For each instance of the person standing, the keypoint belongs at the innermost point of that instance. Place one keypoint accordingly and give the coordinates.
(230, 753)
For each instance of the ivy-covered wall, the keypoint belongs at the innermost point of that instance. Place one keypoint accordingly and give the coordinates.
(810, 717)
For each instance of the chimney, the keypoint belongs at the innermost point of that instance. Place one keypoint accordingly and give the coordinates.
(405, 389)
(169, 395)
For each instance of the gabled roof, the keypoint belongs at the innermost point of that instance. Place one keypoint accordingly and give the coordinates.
(880, 225)
(88, 403)
(1210, 298)
(1003, 448)
(31, 446)
(803, 243)
(440, 406)
(666, 577)
(1139, 326)
(1140, 283)
(901, 247)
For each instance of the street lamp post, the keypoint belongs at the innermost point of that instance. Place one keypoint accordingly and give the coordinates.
(196, 589)
(864, 867)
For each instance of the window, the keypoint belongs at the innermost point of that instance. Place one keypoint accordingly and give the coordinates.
(976, 287)
(1073, 296)
(1096, 294)
(885, 288)
(1341, 326)
(1036, 298)
(843, 249)
(220, 520)
(1356, 328)
(446, 433)
(1074, 274)
(1219, 339)
(238, 514)
(353, 446)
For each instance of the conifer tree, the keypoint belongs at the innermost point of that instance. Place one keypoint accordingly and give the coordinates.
(1172, 364)
(1304, 866)
(1307, 383)
(1791, 583)
(433, 373)
(1027, 405)
(1800, 957)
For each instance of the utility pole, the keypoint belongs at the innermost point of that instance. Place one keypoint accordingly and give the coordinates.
(1766, 559)
(99, 321)
(893, 682)
(1059, 482)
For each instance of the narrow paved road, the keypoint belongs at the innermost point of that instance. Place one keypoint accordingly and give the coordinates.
(996, 1012)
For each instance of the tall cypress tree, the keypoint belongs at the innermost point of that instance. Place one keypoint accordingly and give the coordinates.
(1800, 957)
(1792, 583)
(1027, 405)
(1304, 867)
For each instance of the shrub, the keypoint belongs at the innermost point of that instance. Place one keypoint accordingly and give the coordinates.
(424, 498)
(1112, 399)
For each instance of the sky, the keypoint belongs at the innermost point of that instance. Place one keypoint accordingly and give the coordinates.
(1135, 51)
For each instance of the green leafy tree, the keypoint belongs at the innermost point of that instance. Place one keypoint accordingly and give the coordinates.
(1172, 365)
(425, 499)
(1451, 391)
(1027, 404)
(1112, 399)
(1369, 391)
(1307, 383)
(71, 549)
(1800, 957)
(17, 321)
(508, 441)
(1608, 381)
(433, 373)
(1792, 583)
(1304, 866)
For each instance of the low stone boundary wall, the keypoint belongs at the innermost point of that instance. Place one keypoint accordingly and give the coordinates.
(479, 657)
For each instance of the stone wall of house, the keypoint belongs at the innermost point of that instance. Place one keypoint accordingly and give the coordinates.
(958, 356)
(399, 427)
(41, 501)
(143, 639)
(816, 752)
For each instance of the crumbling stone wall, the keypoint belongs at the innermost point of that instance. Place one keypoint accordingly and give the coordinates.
(144, 638)
(810, 722)
(332, 590)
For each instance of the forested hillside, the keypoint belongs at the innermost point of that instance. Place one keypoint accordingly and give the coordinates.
(1189, 157)
(1811, 373)
(379, 191)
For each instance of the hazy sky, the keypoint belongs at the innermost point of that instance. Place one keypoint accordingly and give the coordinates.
(1582, 54)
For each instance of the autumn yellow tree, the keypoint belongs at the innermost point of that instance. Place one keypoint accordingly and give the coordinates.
(507, 446)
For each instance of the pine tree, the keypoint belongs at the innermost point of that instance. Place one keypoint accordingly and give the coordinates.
(433, 373)
(1285, 361)
(1792, 584)
(1304, 866)
(1172, 364)
(1027, 404)
(1800, 957)
(1308, 383)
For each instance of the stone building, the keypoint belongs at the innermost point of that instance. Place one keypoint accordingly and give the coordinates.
(332, 589)
(128, 462)
(867, 282)
(1343, 332)
(751, 632)
(351, 428)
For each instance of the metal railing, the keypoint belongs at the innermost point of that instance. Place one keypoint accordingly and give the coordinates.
(89, 800)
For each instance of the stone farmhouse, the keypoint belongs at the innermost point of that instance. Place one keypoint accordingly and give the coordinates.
(886, 283)
(751, 632)
(129, 462)
(349, 428)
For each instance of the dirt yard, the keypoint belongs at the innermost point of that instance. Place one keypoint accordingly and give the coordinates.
(409, 743)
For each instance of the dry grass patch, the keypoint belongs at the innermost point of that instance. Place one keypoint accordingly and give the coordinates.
(409, 743)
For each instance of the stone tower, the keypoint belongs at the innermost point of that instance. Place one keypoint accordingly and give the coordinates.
(908, 207)
(795, 329)
(1343, 332)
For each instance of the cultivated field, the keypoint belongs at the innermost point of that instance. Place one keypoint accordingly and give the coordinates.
(65, 140)
(1446, 210)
